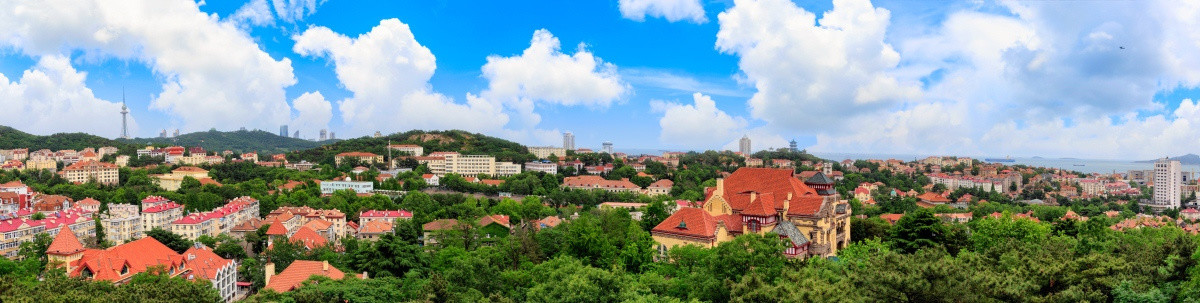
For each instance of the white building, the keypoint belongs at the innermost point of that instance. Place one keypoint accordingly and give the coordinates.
(568, 141)
(546, 167)
(1167, 178)
(328, 187)
(411, 149)
(607, 147)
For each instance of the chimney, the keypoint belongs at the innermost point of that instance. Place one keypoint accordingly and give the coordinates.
(269, 271)
(324, 265)
(753, 196)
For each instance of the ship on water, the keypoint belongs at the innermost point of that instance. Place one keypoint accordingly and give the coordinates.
(1006, 159)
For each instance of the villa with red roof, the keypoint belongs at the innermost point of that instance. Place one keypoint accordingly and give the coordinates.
(298, 272)
(810, 213)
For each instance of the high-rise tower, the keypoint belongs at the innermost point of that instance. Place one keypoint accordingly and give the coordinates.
(568, 141)
(124, 117)
(744, 146)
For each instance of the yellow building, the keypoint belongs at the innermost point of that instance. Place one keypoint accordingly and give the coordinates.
(84, 171)
(363, 158)
(544, 152)
(42, 164)
(810, 213)
(174, 180)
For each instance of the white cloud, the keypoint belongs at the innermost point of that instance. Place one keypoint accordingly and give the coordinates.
(213, 74)
(388, 72)
(811, 75)
(543, 73)
(259, 12)
(313, 112)
(672, 10)
(52, 97)
(696, 125)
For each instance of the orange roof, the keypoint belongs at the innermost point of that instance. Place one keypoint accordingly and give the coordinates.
(309, 238)
(318, 224)
(88, 202)
(440, 224)
(356, 154)
(204, 263)
(65, 243)
(778, 182)
(87, 164)
(301, 270)
(763, 205)
(692, 222)
(106, 265)
(376, 227)
(190, 169)
(933, 198)
(208, 181)
(892, 218)
(277, 229)
(498, 219)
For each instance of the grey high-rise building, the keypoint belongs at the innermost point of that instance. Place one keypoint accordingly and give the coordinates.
(607, 147)
(332, 136)
(283, 131)
(744, 146)
(296, 135)
(324, 135)
(568, 141)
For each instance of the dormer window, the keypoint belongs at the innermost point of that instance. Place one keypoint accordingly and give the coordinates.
(124, 270)
(682, 225)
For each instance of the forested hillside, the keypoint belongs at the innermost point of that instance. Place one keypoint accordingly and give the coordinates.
(433, 141)
(11, 138)
(239, 141)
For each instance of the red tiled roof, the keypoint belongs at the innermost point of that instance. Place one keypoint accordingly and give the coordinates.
(778, 182)
(308, 237)
(88, 202)
(385, 214)
(763, 205)
(277, 228)
(82, 165)
(192, 169)
(498, 219)
(695, 223)
(376, 227)
(440, 224)
(138, 255)
(204, 263)
(299, 271)
(65, 243)
(933, 198)
(356, 154)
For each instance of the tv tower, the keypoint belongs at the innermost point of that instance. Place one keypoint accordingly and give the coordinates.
(124, 117)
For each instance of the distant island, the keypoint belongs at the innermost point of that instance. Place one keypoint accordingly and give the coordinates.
(1188, 159)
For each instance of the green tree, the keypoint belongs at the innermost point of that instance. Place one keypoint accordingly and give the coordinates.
(916, 230)
(174, 241)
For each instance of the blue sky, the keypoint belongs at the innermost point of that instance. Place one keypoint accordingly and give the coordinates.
(923, 77)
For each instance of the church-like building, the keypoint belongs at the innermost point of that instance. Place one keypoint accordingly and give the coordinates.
(809, 214)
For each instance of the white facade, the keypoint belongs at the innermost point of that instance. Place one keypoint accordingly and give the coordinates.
(568, 141)
(1167, 179)
(546, 167)
(362, 187)
(607, 147)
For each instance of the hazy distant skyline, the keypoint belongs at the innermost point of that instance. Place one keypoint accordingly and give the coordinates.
(1093, 79)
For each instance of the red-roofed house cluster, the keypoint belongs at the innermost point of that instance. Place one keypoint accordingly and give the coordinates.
(810, 213)
(660, 187)
(217, 221)
(119, 263)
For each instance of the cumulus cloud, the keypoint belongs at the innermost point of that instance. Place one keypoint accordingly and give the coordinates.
(313, 112)
(259, 12)
(698, 124)
(811, 74)
(672, 10)
(52, 97)
(213, 74)
(543, 73)
(388, 72)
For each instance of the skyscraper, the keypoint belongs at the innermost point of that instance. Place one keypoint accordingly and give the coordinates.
(744, 146)
(296, 135)
(1167, 179)
(124, 117)
(568, 141)
(324, 135)
(283, 131)
(607, 147)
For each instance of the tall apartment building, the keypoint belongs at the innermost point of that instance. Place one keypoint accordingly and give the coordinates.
(1167, 179)
(122, 223)
(544, 152)
(744, 146)
(568, 141)
(283, 131)
(84, 171)
(158, 212)
(607, 147)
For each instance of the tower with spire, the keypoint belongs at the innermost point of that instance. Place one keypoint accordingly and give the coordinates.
(124, 117)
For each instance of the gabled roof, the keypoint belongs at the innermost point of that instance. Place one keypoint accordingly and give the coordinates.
(786, 229)
(498, 219)
(309, 238)
(440, 224)
(106, 265)
(299, 271)
(762, 205)
(778, 182)
(376, 227)
(693, 222)
(204, 263)
(65, 243)
(277, 229)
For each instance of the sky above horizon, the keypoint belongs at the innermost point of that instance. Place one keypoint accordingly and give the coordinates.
(1089, 79)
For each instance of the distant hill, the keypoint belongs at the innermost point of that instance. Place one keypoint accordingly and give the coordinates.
(1188, 159)
(11, 138)
(432, 141)
(238, 141)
